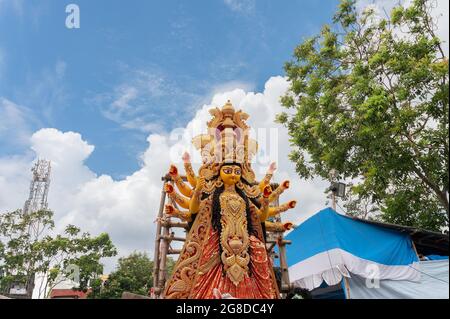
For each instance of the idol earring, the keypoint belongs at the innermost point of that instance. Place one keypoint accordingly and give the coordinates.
(218, 183)
(240, 185)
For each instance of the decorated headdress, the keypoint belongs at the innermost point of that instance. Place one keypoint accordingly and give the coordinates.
(226, 141)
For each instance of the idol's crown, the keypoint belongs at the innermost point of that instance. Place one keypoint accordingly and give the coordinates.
(227, 138)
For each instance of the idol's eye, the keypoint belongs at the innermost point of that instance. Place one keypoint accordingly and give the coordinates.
(227, 170)
(237, 172)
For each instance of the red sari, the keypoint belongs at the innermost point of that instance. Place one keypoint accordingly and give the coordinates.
(199, 268)
(257, 284)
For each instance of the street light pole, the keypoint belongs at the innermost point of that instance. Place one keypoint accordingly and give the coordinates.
(337, 188)
(332, 176)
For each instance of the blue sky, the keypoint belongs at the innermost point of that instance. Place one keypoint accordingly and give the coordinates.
(139, 67)
(134, 71)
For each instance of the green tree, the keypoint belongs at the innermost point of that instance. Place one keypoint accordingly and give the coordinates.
(369, 98)
(358, 206)
(27, 250)
(133, 273)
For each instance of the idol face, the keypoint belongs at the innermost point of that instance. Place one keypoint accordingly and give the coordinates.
(230, 174)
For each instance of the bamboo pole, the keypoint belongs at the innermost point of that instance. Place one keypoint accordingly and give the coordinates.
(165, 238)
(156, 259)
(285, 283)
(278, 239)
(170, 238)
(270, 247)
(175, 224)
(174, 251)
(163, 259)
(158, 240)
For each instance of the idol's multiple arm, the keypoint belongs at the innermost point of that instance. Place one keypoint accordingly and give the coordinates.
(192, 189)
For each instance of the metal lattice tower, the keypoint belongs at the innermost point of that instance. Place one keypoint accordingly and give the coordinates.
(40, 183)
(37, 201)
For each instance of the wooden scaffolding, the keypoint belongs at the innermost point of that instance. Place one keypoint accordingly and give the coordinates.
(165, 235)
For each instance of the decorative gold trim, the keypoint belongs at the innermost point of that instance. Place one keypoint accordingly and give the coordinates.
(180, 284)
(234, 237)
(214, 260)
(209, 187)
(252, 191)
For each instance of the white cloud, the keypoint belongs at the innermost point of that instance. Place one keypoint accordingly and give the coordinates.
(14, 181)
(136, 102)
(67, 153)
(126, 95)
(127, 208)
(229, 86)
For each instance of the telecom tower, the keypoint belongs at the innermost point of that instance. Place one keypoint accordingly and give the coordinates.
(37, 200)
(40, 183)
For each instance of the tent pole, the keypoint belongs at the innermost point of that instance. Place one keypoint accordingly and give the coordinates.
(415, 249)
(347, 287)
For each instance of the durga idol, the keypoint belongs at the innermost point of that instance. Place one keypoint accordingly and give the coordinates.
(228, 212)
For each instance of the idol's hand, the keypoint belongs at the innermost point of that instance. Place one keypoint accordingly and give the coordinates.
(169, 209)
(168, 188)
(194, 203)
(186, 158)
(292, 204)
(173, 171)
(288, 226)
(267, 191)
(200, 184)
(272, 168)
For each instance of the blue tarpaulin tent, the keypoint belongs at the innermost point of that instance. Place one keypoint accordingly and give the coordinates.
(329, 245)
(377, 260)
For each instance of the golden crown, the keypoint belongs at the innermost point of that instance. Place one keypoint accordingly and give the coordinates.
(226, 141)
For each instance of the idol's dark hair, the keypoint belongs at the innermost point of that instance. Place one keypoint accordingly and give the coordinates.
(216, 209)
